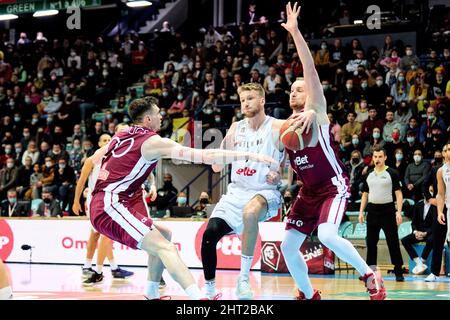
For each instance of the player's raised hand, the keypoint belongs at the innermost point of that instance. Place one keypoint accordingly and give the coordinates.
(303, 120)
(292, 15)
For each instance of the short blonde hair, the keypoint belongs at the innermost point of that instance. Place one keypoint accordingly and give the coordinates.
(252, 87)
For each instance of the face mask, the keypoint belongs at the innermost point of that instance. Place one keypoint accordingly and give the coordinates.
(379, 83)
(12, 200)
(10, 165)
(49, 120)
(430, 117)
(91, 73)
(414, 67)
(26, 134)
(56, 152)
(261, 61)
(48, 164)
(18, 150)
(349, 86)
(417, 158)
(439, 79)
(398, 156)
(208, 111)
(56, 98)
(323, 46)
(245, 65)
(109, 116)
(438, 160)
(12, 103)
(182, 200)
(204, 201)
(180, 97)
(355, 141)
(396, 136)
(410, 139)
(409, 52)
(165, 93)
(325, 87)
(62, 166)
(364, 85)
(73, 54)
(167, 184)
(40, 75)
(217, 120)
(401, 78)
(47, 201)
(280, 61)
(34, 121)
(7, 151)
(163, 113)
(126, 120)
(27, 100)
(17, 119)
(105, 74)
(376, 135)
(189, 81)
(239, 114)
(76, 147)
(287, 199)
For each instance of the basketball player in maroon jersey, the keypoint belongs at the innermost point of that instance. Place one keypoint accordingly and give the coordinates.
(323, 197)
(130, 157)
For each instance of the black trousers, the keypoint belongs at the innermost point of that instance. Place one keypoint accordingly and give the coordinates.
(410, 239)
(378, 217)
(439, 232)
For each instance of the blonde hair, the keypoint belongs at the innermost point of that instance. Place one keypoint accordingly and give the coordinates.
(252, 87)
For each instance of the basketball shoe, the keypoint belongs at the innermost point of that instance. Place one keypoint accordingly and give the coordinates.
(301, 296)
(243, 289)
(375, 285)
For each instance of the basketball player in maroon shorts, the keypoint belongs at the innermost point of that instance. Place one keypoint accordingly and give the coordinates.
(130, 157)
(323, 198)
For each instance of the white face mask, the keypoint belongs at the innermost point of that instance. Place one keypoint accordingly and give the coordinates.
(379, 83)
(417, 158)
(10, 165)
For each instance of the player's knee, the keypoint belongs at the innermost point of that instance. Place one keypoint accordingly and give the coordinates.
(326, 236)
(209, 236)
(250, 217)
(286, 249)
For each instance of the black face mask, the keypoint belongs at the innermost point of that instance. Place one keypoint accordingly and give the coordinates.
(355, 160)
(287, 199)
(167, 184)
(438, 160)
(47, 200)
(204, 201)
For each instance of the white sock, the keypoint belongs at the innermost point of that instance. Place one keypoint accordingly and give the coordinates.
(153, 289)
(193, 292)
(88, 263)
(246, 263)
(210, 287)
(5, 293)
(113, 264)
(295, 262)
(99, 268)
(328, 235)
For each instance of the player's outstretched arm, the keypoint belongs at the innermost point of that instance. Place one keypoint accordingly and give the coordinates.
(85, 172)
(313, 87)
(226, 144)
(156, 147)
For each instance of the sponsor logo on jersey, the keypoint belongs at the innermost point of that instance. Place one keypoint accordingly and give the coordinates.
(295, 222)
(301, 160)
(103, 174)
(247, 172)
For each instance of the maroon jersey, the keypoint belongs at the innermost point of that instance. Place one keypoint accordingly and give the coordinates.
(124, 169)
(319, 165)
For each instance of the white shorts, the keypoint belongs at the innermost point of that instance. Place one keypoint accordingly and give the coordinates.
(231, 206)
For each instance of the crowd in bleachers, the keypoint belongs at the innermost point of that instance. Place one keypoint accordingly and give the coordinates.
(57, 97)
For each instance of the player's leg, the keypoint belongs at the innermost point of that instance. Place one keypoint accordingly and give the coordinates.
(331, 214)
(155, 244)
(293, 240)
(156, 267)
(5, 287)
(215, 230)
(90, 251)
(254, 211)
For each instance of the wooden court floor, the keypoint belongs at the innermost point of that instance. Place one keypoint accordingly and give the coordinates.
(64, 282)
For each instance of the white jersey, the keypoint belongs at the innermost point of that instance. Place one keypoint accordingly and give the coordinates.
(93, 177)
(446, 178)
(247, 174)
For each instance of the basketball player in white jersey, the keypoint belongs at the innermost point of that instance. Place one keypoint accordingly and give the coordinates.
(5, 287)
(90, 172)
(252, 195)
(323, 197)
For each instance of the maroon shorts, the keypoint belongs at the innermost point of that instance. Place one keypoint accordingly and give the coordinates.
(315, 206)
(124, 221)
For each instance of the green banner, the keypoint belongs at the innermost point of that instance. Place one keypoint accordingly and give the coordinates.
(30, 6)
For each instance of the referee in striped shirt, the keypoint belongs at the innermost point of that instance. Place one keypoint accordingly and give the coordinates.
(378, 190)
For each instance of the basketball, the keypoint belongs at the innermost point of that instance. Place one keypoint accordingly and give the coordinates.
(293, 140)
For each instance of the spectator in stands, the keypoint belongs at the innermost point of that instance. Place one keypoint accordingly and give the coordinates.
(48, 174)
(415, 175)
(349, 94)
(389, 127)
(378, 92)
(23, 181)
(390, 146)
(423, 214)
(353, 64)
(378, 191)
(375, 141)
(434, 143)
(177, 107)
(11, 208)
(65, 180)
(418, 93)
(204, 201)
(35, 183)
(403, 114)
(261, 66)
(167, 195)
(335, 130)
(49, 207)
(355, 168)
(8, 177)
(361, 111)
(432, 121)
(400, 165)
(409, 59)
(372, 122)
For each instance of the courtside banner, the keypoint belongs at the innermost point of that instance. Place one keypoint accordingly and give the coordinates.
(65, 241)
